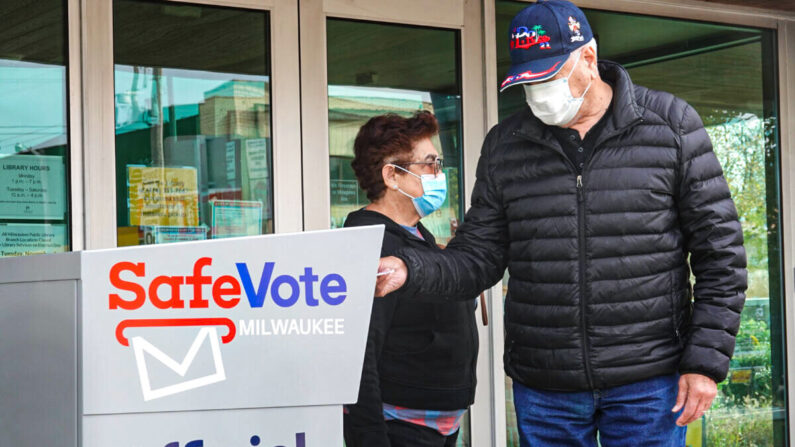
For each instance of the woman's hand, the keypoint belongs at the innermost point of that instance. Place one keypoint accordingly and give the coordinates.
(389, 282)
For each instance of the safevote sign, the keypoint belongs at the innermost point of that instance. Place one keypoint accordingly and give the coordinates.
(252, 322)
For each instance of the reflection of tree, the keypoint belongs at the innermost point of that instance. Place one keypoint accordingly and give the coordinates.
(740, 146)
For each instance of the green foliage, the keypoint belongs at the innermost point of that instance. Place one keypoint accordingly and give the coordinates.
(740, 146)
(740, 428)
(752, 352)
(741, 415)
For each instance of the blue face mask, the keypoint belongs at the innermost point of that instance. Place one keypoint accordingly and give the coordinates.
(434, 191)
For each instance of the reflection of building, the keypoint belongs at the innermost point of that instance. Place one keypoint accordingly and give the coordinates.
(348, 113)
(225, 138)
(236, 108)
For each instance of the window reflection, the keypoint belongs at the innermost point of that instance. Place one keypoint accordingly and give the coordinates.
(193, 123)
(416, 69)
(375, 69)
(34, 206)
(349, 109)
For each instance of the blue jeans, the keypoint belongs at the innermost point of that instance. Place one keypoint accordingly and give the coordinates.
(638, 414)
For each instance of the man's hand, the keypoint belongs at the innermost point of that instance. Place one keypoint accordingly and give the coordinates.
(389, 282)
(696, 393)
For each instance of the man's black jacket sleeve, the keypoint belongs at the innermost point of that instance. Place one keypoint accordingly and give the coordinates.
(476, 257)
(714, 239)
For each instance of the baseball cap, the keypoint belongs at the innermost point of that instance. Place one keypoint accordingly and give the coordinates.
(542, 36)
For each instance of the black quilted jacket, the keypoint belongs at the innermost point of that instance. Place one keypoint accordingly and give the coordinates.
(599, 292)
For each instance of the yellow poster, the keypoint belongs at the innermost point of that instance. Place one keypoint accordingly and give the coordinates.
(163, 196)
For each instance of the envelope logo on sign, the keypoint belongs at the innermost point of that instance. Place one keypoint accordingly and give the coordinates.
(207, 336)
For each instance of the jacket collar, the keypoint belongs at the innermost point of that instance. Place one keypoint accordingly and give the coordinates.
(364, 216)
(624, 112)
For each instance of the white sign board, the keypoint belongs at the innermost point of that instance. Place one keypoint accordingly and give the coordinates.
(263, 321)
(282, 427)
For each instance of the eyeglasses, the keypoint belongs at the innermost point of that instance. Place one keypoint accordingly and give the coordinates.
(437, 164)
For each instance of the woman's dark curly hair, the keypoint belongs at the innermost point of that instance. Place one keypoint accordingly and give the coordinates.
(387, 139)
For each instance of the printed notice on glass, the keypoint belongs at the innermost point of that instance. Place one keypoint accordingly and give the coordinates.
(344, 192)
(231, 172)
(256, 173)
(163, 196)
(232, 218)
(32, 187)
(32, 239)
(257, 164)
(167, 234)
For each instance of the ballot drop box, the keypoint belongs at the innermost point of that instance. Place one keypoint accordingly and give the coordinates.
(254, 341)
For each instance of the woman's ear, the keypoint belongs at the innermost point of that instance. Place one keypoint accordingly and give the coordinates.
(389, 177)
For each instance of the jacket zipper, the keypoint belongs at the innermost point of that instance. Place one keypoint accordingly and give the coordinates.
(581, 235)
(674, 310)
(581, 246)
(583, 305)
(586, 350)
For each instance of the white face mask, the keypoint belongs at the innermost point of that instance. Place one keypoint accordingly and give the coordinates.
(552, 102)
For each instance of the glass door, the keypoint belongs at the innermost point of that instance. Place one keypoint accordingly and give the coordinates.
(728, 74)
(379, 58)
(184, 95)
(34, 137)
(194, 156)
(415, 69)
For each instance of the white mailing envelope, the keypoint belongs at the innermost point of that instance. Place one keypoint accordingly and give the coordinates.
(141, 346)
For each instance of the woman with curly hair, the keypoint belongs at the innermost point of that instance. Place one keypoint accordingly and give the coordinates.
(418, 377)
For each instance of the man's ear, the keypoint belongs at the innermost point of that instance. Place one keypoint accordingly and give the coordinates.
(590, 57)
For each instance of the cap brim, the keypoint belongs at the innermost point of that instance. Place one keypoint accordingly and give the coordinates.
(534, 71)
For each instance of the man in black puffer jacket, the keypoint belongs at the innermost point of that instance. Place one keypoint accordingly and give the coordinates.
(593, 198)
